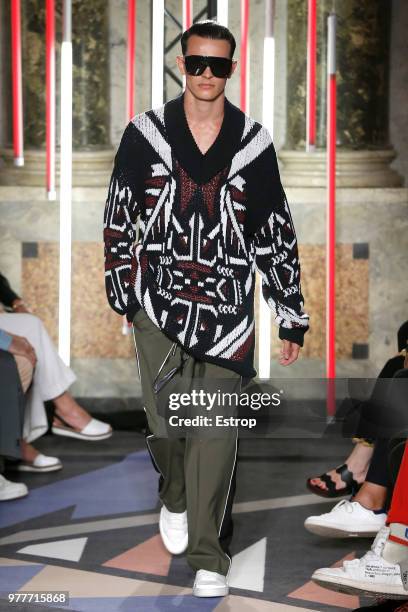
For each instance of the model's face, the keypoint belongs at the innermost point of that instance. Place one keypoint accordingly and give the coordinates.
(205, 86)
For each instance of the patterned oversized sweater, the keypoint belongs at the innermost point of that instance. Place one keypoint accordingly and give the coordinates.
(206, 223)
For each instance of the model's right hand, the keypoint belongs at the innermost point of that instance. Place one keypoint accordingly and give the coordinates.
(21, 346)
(289, 352)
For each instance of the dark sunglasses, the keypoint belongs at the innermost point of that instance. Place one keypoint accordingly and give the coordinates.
(219, 66)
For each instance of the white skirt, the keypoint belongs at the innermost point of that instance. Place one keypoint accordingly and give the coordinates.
(51, 376)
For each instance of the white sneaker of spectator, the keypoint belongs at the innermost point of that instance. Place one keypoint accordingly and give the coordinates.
(11, 490)
(347, 519)
(370, 575)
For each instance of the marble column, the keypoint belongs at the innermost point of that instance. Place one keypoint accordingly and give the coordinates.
(362, 48)
(91, 107)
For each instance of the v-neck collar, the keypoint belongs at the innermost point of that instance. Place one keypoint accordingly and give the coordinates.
(202, 166)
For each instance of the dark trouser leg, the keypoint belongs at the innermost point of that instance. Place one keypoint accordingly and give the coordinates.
(392, 420)
(12, 402)
(378, 472)
(168, 459)
(227, 527)
(210, 467)
(152, 348)
(198, 472)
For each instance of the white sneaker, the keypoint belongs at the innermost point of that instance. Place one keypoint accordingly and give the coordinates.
(210, 584)
(347, 520)
(173, 530)
(370, 575)
(11, 490)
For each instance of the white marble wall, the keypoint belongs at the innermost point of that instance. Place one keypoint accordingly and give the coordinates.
(399, 86)
(117, 41)
(378, 217)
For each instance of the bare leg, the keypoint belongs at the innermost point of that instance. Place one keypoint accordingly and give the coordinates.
(29, 455)
(358, 462)
(70, 411)
(371, 496)
(28, 452)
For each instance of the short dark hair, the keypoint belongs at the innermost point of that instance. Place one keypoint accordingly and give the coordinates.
(208, 29)
(403, 336)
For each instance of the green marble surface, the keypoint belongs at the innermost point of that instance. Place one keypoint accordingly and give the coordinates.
(90, 43)
(90, 46)
(362, 52)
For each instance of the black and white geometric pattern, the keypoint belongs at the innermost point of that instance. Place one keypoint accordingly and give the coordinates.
(193, 267)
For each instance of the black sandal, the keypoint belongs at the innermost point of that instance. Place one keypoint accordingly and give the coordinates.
(351, 488)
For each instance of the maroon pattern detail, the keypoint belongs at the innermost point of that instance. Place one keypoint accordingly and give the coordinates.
(150, 201)
(157, 182)
(244, 349)
(187, 187)
(192, 265)
(193, 297)
(211, 189)
(143, 263)
(240, 215)
(237, 195)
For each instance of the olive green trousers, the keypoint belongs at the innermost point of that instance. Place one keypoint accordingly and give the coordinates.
(197, 472)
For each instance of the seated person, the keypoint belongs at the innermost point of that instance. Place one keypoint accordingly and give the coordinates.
(51, 381)
(15, 378)
(365, 514)
(347, 478)
(383, 571)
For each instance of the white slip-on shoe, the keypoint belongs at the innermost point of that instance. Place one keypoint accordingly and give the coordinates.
(210, 584)
(11, 490)
(347, 520)
(94, 430)
(42, 463)
(173, 530)
(371, 575)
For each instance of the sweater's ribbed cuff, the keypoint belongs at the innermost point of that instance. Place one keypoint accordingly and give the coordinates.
(295, 335)
(132, 310)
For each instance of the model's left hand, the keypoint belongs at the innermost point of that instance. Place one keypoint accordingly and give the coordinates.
(289, 352)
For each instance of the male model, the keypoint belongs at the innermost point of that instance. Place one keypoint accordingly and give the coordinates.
(202, 177)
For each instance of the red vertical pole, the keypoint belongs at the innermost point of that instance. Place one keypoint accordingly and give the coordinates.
(131, 45)
(311, 76)
(331, 217)
(16, 74)
(50, 97)
(244, 54)
(188, 14)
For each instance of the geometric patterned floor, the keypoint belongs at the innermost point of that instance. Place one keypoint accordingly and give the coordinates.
(91, 530)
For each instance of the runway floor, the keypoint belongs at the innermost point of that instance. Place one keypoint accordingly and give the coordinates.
(91, 530)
